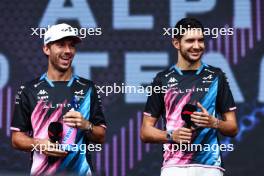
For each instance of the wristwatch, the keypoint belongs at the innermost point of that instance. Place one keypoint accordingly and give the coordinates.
(169, 136)
(89, 128)
(216, 124)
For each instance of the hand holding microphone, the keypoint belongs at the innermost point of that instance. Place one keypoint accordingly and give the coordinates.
(193, 120)
(184, 134)
(48, 147)
(55, 130)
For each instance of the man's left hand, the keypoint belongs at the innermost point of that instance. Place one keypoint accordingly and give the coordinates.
(203, 118)
(75, 119)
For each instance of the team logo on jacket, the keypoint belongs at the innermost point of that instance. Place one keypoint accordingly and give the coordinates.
(208, 79)
(79, 94)
(172, 82)
(42, 95)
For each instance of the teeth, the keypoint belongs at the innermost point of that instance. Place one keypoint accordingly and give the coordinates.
(65, 58)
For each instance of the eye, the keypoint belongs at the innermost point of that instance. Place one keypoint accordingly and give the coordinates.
(72, 45)
(190, 40)
(60, 44)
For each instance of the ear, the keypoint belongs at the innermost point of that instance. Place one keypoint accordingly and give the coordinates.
(176, 43)
(46, 49)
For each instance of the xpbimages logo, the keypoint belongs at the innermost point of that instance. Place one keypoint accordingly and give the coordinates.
(184, 147)
(81, 32)
(82, 148)
(213, 32)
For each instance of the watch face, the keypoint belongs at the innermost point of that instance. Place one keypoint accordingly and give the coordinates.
(169, 136)
(90, 127)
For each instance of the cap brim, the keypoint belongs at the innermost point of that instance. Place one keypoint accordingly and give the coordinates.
(74, 37)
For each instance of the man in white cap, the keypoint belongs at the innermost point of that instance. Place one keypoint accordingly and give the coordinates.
(68, 100)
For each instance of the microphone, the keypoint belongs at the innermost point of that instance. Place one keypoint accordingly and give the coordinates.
(186, 113)
(55, 131)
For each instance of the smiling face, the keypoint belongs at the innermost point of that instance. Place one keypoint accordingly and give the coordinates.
(191, 46)
(60, 53)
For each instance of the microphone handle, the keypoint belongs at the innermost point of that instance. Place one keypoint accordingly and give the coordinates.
(52, 159)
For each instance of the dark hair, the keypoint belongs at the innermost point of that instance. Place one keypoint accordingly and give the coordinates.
(187, 23)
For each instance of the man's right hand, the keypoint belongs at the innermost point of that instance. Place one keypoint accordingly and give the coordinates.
(182, 135)
(50, 149)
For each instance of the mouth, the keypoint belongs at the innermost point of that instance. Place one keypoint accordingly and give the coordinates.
(197, 53)
(65, 60)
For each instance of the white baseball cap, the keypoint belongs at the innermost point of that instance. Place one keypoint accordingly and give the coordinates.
(59, 31)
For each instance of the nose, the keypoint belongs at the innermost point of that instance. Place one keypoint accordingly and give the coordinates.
(196, 45)
(67, 49)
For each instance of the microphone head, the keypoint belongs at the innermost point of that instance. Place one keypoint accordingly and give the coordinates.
(186, 113)
(55, 131)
